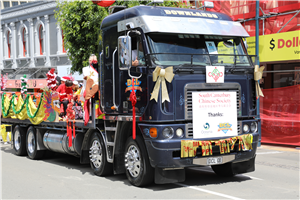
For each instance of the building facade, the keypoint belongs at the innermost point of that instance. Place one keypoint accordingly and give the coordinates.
(11, 3)
(31, 41)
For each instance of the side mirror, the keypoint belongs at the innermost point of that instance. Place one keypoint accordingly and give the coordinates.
(124, 47)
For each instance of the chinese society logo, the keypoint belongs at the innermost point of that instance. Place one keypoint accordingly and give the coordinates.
(215, 74)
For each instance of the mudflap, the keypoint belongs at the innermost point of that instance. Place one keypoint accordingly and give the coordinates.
(244, 167)
(163, 176)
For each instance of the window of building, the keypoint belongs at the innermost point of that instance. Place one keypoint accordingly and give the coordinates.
(63, 44)
(22, 2)
(15, 3)
(8, 44)
(41, 38)
(6, 4)
(24, 41)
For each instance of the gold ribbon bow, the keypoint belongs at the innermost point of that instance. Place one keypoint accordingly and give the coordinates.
(258, 72)
(160, 76)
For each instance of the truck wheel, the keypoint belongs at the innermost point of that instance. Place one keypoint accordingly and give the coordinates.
(18, 139)
(138, 169)
(98, 159)
(223, 170)
(31, 145)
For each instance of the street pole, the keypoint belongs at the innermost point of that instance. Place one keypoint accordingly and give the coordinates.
(257, 63)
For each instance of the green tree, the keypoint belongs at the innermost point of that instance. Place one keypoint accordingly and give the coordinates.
(81, 21)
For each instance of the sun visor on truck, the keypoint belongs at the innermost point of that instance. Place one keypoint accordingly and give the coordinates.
(184, 25)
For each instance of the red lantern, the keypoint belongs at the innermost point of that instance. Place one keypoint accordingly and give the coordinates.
(103, 3)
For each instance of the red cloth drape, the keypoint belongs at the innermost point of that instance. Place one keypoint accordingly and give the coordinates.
(280, 115)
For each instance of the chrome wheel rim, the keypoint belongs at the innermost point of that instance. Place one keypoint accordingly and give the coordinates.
(17, 140)
(96, 154)
(31, 142)
(133, 161)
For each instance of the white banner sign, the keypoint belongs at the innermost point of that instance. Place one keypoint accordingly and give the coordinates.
(214, 114)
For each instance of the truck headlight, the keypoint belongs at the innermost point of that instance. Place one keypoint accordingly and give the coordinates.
(168, 132)
(253, 127)
(245, 128)
(179, 132)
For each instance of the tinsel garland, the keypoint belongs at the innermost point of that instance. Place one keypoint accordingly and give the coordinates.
(3, 109)
(5, 113)
(23, 84)
(22, 107)
(37, 109)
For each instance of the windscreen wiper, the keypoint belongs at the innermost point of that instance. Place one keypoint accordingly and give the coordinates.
(184, 70)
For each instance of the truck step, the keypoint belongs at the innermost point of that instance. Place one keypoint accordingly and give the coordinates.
(110, 128)
(110, 144)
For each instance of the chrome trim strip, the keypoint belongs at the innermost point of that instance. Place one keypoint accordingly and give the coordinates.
(184, 25)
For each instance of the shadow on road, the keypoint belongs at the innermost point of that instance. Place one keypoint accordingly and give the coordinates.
(195, 176)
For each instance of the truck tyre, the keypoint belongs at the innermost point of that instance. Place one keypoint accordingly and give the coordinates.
(18, 139)
(223, 170)
(97, 153)
(138, 169)
(31, 145)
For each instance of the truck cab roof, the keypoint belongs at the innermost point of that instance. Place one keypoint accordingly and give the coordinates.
(174, 20)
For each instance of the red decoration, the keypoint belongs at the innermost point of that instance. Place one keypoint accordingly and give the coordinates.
(66, 77)
(103, 3)
(70, 116)
(133, 100)
(51, 79)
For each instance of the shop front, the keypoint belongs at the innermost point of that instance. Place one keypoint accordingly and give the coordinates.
(280, 106)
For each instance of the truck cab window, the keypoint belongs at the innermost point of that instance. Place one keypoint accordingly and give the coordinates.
(138, 55)
(197, 50)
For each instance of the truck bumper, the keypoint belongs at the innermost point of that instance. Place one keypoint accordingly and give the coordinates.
(166, 154)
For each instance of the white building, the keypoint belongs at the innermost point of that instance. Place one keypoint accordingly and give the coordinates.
(31, 40)
(11, 3)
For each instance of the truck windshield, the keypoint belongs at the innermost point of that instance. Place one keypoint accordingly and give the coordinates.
(199, 50)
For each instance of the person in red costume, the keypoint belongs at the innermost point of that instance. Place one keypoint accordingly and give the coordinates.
(64, 91)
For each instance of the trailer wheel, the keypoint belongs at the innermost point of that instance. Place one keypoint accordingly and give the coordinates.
(18, 139)
(138, 169)
(31, 145)
(97, 155)
(223, 170)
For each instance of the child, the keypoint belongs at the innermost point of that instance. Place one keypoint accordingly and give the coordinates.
(64, 90)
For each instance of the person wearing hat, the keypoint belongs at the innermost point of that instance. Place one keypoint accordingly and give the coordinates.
(75, 86)
(65, 93)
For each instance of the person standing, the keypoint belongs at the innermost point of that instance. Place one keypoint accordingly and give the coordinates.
(90, 86)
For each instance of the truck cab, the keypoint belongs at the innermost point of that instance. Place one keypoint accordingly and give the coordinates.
(191, 42)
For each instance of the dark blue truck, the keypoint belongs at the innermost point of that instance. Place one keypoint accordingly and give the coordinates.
(196, 102)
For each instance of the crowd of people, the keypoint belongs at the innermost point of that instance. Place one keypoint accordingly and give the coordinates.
(72, 91)
(69, 92)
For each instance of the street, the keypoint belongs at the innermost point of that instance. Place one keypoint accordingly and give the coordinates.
(60, 176)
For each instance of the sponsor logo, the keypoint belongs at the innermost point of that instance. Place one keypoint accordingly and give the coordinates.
(136, 85)
(215, 74)
(206, 126)
(225, 127)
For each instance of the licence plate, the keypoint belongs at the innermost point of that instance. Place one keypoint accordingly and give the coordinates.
(214, 161)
